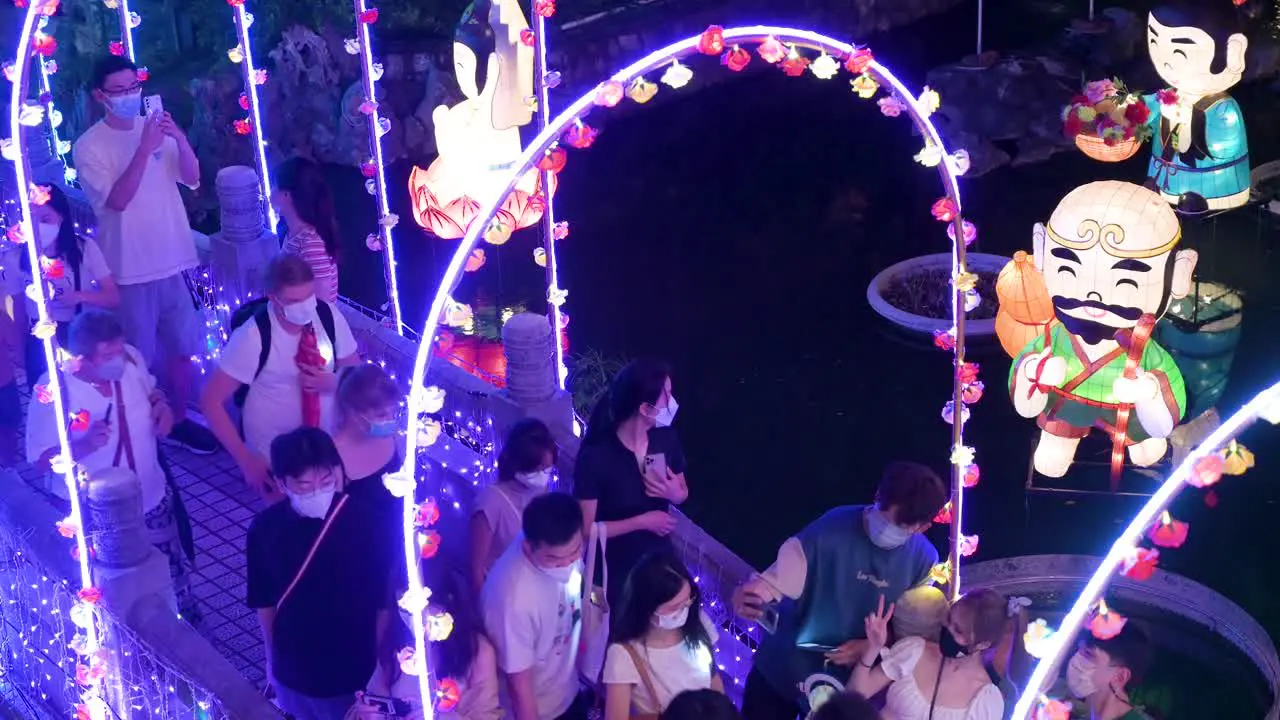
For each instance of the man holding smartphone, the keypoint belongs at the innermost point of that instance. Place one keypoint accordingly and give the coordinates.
(130, 167)
(828, 578)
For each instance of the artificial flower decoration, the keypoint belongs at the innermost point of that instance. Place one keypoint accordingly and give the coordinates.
(609, 94)
(111, 4)
(80, 421)
(825, 67)
(475, 260)
(407, 662)
(38, 194)
(369, 17)
(16, 234)
(375, 72)
(134, 20)
(243, 126)
(929, 101)
(458, 314)
(560, 230)
(399, 483)
(31, 115)
(143, 74)
(967, 372)
(1038, 639)
(91, 595)
(795, 64)
(949, 413)
(944, 210)
(61, 464)
(259, 76)
(962, 455)
(439, 626)
(972, 392)
(965, 282)
(244, 101)
(859, 60)
(1140, 563)
(1168, 533)
(432, 399)
(235, 3)
(1206, 471)
(11, 71)
(712, 41)
(373, 242)
(448, 695)
(67, 528)
(368, 169)
(736, 59)
(1237, 459)
(368, 107)
(52, 268)
(9, 150)
(429, 432)
(930, 155)
(544, 8)
(1167, 97)
(67, 362)
(968, 545)
(44, 329)
(429, 544)
(581, 135)
(553, 160)
(771, 51)
(641, 90)
(428, 514)
(236, 54)
(960, 162)
(46, 46)
(944, 515)
(945, 339)
(43, 395)
(940, 573)
(1106, 623)
(352, 46)
(540, 257)
(389, 221)
(972, 474)
(1049, 709)
(64, 147)
(527, 38)
(865, 86)
(894, 106)
(498, 232)
(676, 75)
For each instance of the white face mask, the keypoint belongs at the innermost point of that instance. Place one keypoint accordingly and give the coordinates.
(672, 621)
(300, 313)
(125, 106)
(535, 479)
(314, 504)
(1081, 676)
(561, 574)
(47, 234)
(667, 415)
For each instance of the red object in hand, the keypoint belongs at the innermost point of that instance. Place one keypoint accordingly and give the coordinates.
(309, 356)
(553, 160)
(527, 37)
(735, 59)
(712, 41)
(80, 421)
(243, 126)
(544, 8)
(858, 61)
(370, 16)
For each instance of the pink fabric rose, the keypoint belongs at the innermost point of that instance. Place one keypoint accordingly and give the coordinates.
(1099, 90)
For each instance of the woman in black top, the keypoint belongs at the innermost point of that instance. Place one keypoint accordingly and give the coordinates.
(367, 439)
(631, 467)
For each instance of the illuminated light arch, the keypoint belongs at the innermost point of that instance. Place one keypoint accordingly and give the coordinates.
(422, 400)
(27, 193)
(1267, 401)
(125, 16)
(243, 21)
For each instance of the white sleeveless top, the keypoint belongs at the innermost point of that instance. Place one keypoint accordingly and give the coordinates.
(905, 701)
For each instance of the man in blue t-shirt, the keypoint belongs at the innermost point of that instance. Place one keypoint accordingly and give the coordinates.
(828, 578)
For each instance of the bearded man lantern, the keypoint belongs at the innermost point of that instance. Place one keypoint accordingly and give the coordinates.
(1109, 263)
(1199, 151)
(478, 140)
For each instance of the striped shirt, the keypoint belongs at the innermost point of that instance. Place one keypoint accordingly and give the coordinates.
(307, 244)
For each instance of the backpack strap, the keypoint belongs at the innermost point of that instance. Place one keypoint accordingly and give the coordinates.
(263, 321)
(325, 311)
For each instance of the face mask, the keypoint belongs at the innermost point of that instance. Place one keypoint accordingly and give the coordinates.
(111, 370)
(314, 504)
(561, 575)
(948, 644)
(300, 313)
(535, 479)
(673, 621)
(125, 107)
(1081, 679)
(667, 415)
(47, 234)
(884, 534)
(382, 428)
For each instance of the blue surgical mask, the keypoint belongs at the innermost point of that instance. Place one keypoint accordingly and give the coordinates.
(126, 107)
(884, 533)
(382, 428)
(667, 415)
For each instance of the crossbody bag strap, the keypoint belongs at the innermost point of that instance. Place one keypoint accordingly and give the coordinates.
(328, 523)
(643, 668)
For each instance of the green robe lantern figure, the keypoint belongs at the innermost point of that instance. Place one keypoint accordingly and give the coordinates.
(1109, 263)
(1199, 151)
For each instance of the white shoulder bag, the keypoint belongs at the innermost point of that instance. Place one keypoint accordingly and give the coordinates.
(595, 609)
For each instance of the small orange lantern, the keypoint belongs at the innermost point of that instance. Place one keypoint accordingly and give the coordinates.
(1025, 306)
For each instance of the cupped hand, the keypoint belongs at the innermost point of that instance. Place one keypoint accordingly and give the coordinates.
(257, 475)
(152, 134)
(658, 522)
(847, 653)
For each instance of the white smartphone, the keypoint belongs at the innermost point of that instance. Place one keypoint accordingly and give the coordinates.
(152, 105)
(656, 463)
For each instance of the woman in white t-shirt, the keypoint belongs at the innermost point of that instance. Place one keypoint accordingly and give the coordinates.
(525, 464)
(661, 644)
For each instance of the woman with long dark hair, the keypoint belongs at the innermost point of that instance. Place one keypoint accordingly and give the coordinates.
(631, 468)
(661, 644)
(305, 202)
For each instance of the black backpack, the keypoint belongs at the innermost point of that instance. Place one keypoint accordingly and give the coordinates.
(257, 311)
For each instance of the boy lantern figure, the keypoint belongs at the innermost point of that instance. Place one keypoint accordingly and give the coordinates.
(1199, 152)
(478, 140)
(1108, 260)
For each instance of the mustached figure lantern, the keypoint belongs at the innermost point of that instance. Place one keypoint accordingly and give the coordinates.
(478, 140)
(1109, 262)
(1199, 152)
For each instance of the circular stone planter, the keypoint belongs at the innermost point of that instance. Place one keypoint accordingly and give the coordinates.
(973, 329)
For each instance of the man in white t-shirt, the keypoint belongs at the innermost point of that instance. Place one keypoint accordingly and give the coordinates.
(130, 167)
(533, 612)
(276, 380)
(117, 413)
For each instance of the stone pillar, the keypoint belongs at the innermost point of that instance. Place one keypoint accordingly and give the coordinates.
(127, 567)
(529, 345)
(244, 246)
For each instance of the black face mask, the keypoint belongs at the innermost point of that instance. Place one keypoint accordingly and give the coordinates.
(949, 646)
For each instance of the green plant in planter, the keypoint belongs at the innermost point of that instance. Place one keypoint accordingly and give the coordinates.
(589, 378)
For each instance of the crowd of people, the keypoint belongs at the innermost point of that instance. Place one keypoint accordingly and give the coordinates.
(557, 603)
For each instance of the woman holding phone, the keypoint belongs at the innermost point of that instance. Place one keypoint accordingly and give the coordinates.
(631, 468)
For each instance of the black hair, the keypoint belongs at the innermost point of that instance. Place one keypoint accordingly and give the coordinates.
(655, 580)
(298, 451)
(551, 520)
(286, 270)
(108, 66)
(640, 382)
(90, 329)
(527, 445)
(1130, 649)
(451, 593)
(1214, 17)
(475, 32)
(914, 489)
(701, 705)
(846, 706)
(365, 388)
(68, 245)
(312, 198)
